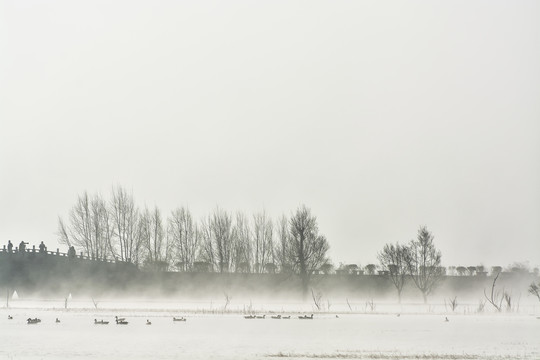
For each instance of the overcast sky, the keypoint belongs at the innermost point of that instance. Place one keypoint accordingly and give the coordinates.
(380, 116)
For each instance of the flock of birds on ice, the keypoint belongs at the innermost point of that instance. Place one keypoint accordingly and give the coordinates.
(118, 320)
(123, 321)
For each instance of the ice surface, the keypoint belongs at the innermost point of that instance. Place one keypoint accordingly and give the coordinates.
(227, 335)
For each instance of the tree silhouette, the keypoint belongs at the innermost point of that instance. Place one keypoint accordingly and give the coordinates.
(424, 262)
(393, 258)
(307, 250)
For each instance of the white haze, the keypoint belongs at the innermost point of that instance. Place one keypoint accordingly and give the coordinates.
(379, 115)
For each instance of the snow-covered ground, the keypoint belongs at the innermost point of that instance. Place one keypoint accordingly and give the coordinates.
(212, 333)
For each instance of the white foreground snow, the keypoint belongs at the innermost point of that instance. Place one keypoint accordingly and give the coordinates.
(207, 335)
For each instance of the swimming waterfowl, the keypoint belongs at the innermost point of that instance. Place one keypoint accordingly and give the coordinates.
(121, 321)
(306, 317)
(33, 321)
(179, 319)
(148, 322)
(100, 322)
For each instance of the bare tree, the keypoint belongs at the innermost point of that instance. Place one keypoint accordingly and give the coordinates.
(76, 233)
(424, 262)
(282, 246)
(154, 240)
(218, 240)
(103, 227)
(207, 254)
(370, 305)
(316, 299)
(243, 253)
(89, 228)
(262, 241)
(127, 242)
(393, 258)
(452, 302)
(185, 238)
(307, 250)
(495, 297)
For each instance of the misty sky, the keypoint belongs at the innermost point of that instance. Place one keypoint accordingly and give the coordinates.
(379, 115)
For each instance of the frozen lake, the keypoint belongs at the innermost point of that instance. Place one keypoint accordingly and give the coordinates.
(230, 336)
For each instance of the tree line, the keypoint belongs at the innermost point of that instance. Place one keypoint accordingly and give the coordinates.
(223, 242)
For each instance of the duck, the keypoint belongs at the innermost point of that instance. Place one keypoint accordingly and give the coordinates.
(120, 321)
(446, 319)
(100, 322)
(148, 322)
(261, 317)
(57, 320)
(276, 317)
(10, 317)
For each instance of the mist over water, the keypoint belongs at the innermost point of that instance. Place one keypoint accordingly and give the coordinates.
(348, 322)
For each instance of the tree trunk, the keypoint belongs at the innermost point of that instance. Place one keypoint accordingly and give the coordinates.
(305, 286)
